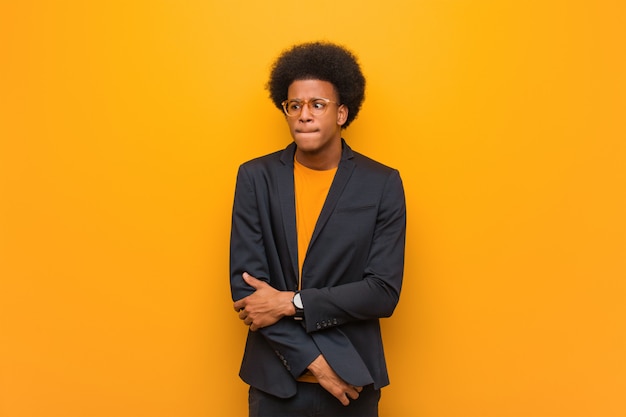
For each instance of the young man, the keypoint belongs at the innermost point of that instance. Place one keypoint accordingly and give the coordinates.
(317, 249)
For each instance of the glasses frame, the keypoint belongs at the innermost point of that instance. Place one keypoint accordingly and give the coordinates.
(307, 103)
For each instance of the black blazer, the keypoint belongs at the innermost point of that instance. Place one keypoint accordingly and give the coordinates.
(352, 273)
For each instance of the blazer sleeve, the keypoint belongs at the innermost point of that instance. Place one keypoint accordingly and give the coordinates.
(376, 292)
(248, 252)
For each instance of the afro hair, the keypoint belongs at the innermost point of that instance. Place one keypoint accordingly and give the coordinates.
(319, 61)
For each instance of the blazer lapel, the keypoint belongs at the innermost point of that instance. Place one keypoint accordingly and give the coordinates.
(286, 195)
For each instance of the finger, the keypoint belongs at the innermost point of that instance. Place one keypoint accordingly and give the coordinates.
(242, 314)
(358, 389)
(352, 393)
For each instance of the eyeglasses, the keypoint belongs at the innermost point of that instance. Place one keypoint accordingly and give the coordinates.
(317, 106)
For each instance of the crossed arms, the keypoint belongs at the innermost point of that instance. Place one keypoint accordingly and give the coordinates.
(264, 308)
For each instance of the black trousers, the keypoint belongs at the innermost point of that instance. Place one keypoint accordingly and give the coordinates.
(312, 401)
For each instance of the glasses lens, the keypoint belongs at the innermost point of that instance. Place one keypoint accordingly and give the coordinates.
(293, 107)
(317, 106)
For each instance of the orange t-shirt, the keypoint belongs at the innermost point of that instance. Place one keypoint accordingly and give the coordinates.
(311, 189)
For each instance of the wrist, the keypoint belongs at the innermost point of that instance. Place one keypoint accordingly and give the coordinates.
(289, 308)
(318, 363)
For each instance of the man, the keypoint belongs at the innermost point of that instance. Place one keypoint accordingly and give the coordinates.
(317, 249)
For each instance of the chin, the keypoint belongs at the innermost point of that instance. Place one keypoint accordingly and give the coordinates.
(308, 149)
(307, 144)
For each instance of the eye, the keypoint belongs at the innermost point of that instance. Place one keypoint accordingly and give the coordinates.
(294, 105)
(318, 104)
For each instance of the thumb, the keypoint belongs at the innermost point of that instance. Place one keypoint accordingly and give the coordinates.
(252, 281)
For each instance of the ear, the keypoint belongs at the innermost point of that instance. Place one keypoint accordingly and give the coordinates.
(342, 115)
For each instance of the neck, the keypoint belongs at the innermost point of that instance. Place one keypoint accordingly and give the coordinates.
(319, 161)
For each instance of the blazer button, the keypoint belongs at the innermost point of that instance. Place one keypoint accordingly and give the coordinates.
(318, 325)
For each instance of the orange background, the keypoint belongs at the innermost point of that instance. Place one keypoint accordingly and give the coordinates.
(122, 124)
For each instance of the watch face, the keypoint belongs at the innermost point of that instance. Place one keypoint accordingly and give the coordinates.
(297, 301)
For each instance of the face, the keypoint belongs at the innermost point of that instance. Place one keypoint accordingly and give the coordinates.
(316, 135)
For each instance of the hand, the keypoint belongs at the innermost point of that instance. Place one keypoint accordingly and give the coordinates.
(265, 306)
(332, 383)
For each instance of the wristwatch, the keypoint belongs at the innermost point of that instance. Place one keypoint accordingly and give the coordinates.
(297, 303)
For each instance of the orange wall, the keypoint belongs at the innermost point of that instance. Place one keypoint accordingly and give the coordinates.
(122, 124)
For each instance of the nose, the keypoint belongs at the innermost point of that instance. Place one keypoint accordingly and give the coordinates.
(305, 113)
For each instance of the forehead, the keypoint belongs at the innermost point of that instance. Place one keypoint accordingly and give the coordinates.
(306, 89)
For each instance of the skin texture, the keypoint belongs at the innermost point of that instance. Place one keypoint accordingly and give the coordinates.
(318, 140)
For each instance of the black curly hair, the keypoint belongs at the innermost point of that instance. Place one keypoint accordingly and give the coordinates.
(323, 61)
